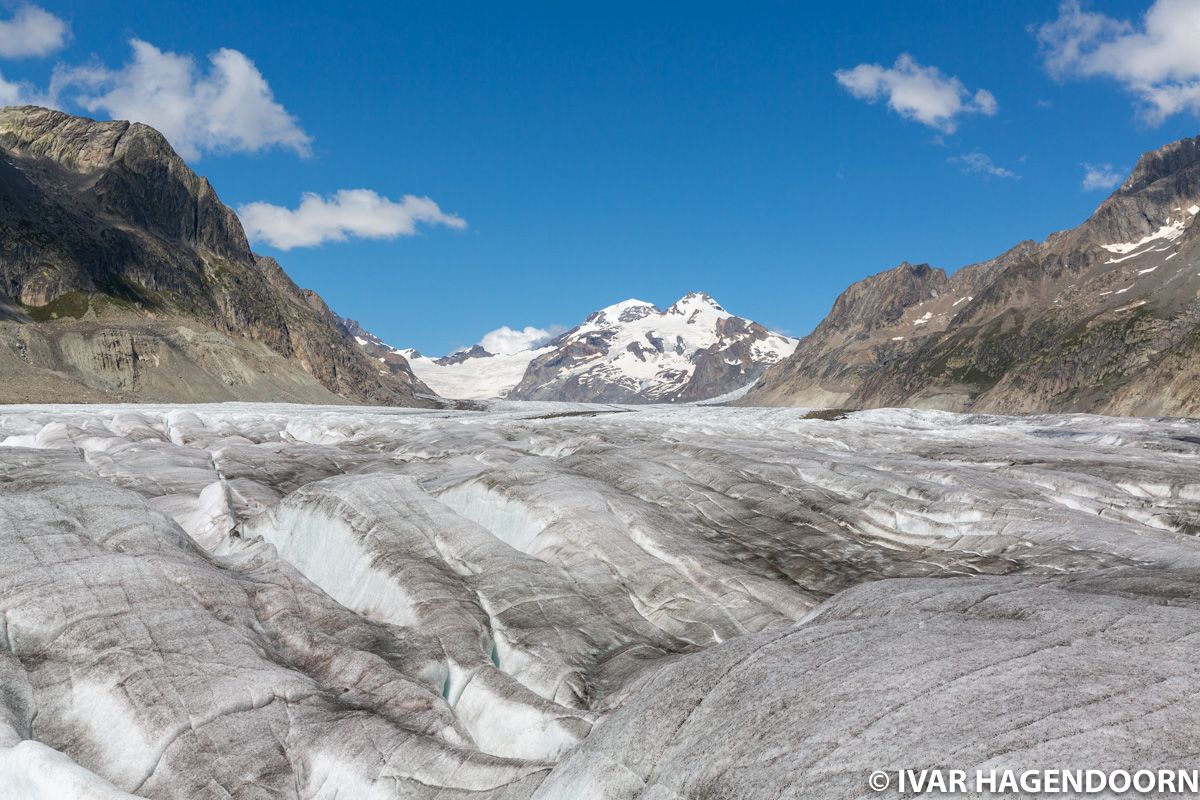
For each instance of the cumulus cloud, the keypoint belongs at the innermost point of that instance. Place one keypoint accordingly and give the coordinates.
(32, 31)
(981, 163)
(1099, 176)
(913, 91)
(1156, 59)
(228, 108)
(348, 213)
(505, 340)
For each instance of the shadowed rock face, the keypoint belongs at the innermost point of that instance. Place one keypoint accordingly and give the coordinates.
(542, 601)
(1104, 317)
(104, 221)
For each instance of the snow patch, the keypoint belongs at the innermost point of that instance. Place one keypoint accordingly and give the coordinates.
(1170, 232)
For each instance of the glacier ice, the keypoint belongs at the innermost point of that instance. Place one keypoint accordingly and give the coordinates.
(571, 601)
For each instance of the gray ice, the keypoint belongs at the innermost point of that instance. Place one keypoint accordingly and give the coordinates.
(565, 601)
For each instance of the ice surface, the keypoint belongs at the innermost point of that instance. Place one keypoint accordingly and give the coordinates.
(981, 673)
(560, 600)
(31, 771)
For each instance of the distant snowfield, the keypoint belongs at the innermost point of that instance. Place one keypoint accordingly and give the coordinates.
(474, 378)
(555, 600)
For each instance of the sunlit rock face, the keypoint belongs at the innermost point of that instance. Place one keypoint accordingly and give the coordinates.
(1099, 318)
(560, 601)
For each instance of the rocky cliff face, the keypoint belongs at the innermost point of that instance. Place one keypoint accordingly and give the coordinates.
(103, 222)
(1103, 318)
(386, 357)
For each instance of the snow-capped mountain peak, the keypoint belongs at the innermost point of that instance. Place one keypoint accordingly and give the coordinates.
(631, 352)
(625, 311)
(460, 356)
(698, 305)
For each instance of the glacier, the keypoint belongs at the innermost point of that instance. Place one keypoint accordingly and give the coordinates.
(557, 600)
(473, 378)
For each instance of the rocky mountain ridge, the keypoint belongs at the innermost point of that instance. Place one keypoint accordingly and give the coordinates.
(111, 248)
(1102, 318)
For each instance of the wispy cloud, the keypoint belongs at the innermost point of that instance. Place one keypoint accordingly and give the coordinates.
(917, 92)
(228, 108)
(982, 164)
(505, 340)
(360, 213)
(32, 31)
(1099, 176)
(1157, 59)
(20, 93)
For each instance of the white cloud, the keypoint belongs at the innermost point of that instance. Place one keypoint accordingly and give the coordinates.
(505, 341)
(337, 217)
(982, 164)
(20, 93)
(229, 108)
(917, 92)
(32, 31)
(1157, 59)
(1099, 176)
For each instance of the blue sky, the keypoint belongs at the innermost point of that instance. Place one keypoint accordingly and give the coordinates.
(577, 154)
